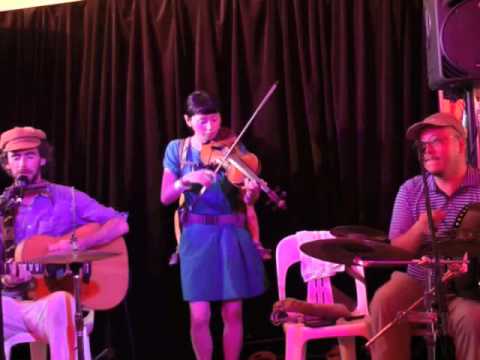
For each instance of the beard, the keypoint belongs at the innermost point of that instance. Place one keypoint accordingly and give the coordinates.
(32, 178)
(35, 177)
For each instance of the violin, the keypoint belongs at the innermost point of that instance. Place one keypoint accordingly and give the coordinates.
(237, 165)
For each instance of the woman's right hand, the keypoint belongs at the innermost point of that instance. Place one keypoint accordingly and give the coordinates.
(204, 177)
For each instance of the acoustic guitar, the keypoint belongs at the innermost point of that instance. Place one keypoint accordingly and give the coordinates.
(104, 282)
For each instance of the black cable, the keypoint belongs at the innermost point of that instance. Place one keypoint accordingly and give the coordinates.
(441, 328)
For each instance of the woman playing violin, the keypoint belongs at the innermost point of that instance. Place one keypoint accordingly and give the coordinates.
(218, 259)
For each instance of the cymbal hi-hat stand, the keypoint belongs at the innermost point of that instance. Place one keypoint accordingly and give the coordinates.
(75, 260)
(76, 267)
(436, 278)
(10, 200)
(430, 315)
(439, 328)
(79, 325)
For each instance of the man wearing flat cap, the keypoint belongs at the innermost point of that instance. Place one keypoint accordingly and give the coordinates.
(44, 208)
(452, 184)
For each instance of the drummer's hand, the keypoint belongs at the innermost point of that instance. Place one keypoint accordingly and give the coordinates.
(19, 274)
(425, 260)
(437, 216)
(204, 177)
(460, 267)
(251, 191)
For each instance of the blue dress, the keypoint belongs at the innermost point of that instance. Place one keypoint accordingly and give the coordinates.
(217, 262)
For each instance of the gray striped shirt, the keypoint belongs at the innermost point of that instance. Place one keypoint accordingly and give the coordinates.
(410, 203)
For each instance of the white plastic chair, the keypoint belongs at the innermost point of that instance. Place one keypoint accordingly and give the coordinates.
(38, 349)
(320, 291)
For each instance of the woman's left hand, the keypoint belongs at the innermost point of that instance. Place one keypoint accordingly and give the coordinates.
(251, 191)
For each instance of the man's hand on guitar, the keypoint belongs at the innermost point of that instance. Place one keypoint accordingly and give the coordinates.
(16, 275)
(63, 246)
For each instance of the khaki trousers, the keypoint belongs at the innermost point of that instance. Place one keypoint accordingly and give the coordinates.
(50, 319)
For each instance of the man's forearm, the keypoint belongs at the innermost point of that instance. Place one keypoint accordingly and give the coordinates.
(107, 232)
(411, 240)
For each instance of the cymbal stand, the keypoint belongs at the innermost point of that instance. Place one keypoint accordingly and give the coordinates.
(438, 315)
(440, 327)
(401, 314)
(10, 200)
(2, 350)
(76, 268)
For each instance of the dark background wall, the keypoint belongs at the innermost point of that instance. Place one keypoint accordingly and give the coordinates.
(107, 79)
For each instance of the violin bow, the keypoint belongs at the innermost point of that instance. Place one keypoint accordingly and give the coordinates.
(239, 136)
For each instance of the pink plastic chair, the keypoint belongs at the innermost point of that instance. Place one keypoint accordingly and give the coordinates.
(320, 291)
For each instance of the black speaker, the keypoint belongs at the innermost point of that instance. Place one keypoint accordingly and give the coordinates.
(452, 41)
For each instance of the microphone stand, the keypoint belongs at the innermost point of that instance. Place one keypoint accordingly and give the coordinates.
(441, 327)
(76, 268)
(9, 201)
(2, 257)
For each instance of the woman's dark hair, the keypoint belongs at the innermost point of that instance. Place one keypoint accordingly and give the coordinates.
(200, 102)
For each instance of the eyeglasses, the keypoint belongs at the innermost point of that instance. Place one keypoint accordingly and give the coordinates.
(436, 143)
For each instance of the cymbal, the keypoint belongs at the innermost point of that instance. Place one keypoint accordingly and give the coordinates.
(359, 232)
(345, 251)
(74, 257)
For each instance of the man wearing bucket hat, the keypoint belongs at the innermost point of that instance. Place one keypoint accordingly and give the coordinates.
(452, 184)
(54, 210)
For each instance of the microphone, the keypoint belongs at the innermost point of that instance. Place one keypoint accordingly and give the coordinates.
(21, 182)
(13, 194)
(19, 185)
